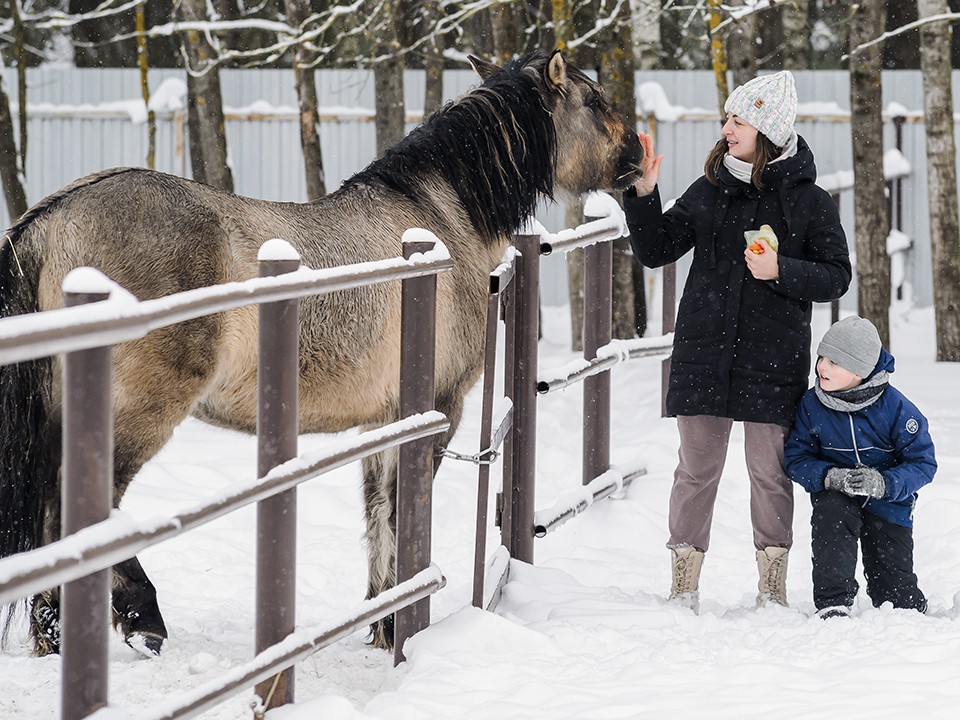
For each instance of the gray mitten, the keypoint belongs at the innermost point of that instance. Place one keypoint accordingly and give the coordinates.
(865, 481)
(836, 479)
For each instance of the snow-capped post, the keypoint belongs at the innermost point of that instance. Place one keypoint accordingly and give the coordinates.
(87, 496)
(278, 364)
(418, 315)
(524, 397)
(597, 326)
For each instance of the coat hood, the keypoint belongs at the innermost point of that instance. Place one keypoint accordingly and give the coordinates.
(884, 362)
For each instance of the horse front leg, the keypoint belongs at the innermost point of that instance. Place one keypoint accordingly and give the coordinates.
(380, 510)
(136, 614)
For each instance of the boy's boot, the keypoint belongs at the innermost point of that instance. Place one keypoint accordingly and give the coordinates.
(772, 566)
(686, 562)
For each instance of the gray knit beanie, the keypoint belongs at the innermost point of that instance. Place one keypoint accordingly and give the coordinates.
(769, 103)
(852, 343)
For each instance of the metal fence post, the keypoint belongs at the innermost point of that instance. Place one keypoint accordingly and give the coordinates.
(415, 460)
(505, 497)
(525, 398)
(277, 429)
(597, 327)
(87, 497)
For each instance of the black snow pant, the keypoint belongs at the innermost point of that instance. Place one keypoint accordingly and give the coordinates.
(838, 523)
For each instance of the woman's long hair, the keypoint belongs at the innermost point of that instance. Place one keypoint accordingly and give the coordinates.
(766, 151)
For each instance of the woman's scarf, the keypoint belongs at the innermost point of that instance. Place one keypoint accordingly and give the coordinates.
(743, 171)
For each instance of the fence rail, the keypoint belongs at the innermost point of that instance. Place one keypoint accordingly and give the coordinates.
(81, 560)
(99, 314)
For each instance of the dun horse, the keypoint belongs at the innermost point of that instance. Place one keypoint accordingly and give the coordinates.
(472, 173)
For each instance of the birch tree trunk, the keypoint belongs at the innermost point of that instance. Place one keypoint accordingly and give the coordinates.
(941, 179)
(13, 191)
(871, 217)
(207, 127)
(297, 12)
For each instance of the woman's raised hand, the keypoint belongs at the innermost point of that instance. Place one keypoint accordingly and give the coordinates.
(649, 166)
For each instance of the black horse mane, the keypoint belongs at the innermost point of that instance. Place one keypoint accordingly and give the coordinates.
(495, 146)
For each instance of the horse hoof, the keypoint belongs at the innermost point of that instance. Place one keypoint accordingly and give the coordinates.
(45, 629)
(147, 644)
(381, 633)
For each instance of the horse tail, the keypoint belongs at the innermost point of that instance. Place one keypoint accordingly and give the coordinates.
(29, 442)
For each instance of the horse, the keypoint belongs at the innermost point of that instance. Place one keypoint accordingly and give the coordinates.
(472, 173)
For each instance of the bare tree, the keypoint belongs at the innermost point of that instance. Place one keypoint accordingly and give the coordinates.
(507, 21)
(143, 64)
(647, 45)
(618, 78)
(871, 216)
(742, 46)
(388, 78)
(796, 35)
(941, 178)
(304, 76)
(718, 53)
(432, 56)
(13, 191)
(208, 137)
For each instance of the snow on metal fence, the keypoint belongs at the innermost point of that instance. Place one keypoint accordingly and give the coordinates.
(99, 314)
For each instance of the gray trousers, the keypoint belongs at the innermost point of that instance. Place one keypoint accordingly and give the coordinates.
(703, 451)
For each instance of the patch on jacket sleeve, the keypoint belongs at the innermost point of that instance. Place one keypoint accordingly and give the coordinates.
(912, 426)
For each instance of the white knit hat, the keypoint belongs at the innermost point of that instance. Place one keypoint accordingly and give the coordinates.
(769, 103)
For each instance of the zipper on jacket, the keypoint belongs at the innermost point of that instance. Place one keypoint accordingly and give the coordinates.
(853, 438)
(856, 450)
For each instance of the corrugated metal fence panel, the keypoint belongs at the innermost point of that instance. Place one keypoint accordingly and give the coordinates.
(265, 155)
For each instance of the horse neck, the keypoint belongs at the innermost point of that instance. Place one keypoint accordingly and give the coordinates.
(494, 149)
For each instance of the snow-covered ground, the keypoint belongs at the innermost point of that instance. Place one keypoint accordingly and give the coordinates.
(583, 633)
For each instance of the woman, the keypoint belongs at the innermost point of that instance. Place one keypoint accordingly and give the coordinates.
(742, 346)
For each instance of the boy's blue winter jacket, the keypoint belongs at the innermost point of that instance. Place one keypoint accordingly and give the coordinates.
(890, 435)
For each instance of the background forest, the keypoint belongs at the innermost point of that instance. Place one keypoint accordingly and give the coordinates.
(618, 38)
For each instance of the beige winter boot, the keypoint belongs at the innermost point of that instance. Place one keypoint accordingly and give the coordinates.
(772, 566)
(686, 562)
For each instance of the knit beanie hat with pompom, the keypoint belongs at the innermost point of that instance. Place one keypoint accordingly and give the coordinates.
(769, 103)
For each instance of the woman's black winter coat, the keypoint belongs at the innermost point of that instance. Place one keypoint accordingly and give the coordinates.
(742, 345)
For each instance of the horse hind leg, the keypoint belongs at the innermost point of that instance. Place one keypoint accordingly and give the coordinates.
(380, 510)
(156, 390)
(380, 506)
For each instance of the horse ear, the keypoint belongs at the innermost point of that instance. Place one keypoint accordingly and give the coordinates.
(557, 71)
(484, 69)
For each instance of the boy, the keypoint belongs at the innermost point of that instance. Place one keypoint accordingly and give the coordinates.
(862, 450)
